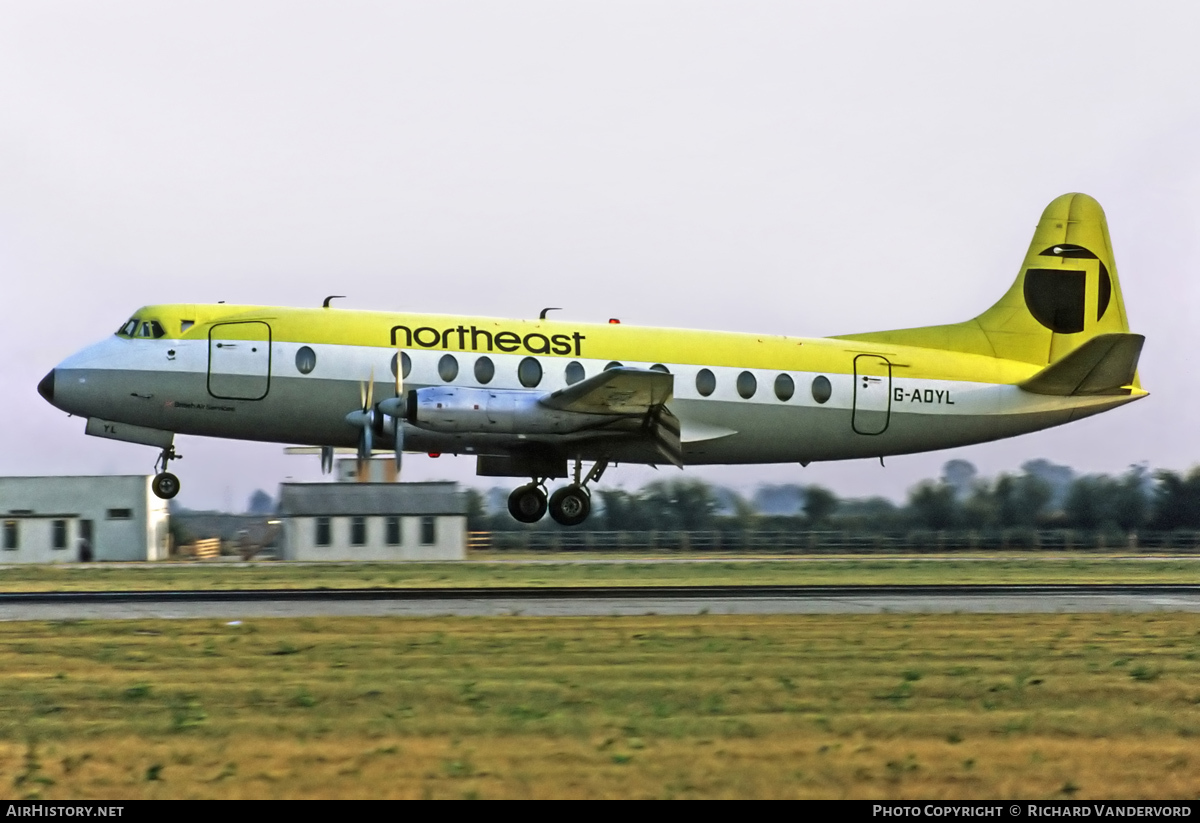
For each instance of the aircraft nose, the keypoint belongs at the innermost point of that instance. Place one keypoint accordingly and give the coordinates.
(46, 387)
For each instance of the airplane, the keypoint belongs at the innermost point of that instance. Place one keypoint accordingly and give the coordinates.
(540, 398)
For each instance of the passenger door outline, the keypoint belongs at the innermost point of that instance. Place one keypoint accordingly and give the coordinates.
(872, 394)
(239, 360)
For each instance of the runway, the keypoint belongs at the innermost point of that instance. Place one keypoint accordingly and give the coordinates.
(597, 601)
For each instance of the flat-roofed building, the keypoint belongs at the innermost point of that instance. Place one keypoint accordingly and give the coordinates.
(81, 519)
(373, 521)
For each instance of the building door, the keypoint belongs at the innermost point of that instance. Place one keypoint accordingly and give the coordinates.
(239, 360)
(87, 546)
(872, 393)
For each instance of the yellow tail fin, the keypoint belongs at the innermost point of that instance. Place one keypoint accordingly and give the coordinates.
(1066, 294)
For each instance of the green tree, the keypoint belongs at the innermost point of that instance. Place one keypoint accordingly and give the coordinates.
(933, 504)
(819, 505)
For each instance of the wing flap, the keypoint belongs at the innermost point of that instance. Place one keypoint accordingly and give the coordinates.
(1104, 365)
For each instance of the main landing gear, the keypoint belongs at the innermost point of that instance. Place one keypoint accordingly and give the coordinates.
(569, 506)
(165, 485)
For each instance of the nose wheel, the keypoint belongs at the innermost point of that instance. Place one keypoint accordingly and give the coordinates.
(165, 485)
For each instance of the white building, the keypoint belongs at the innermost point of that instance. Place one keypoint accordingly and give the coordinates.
(373, 521)
(69, 519)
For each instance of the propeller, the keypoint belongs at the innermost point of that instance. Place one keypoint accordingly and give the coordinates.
(364, 419)
(394, 408)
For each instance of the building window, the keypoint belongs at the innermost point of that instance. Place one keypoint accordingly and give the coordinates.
(324, 536)
(120, 514)
(60, 534)
(706, 382)
(428, 531)
(12, 535)
(448, 368)
(393, 531)
(358, 531)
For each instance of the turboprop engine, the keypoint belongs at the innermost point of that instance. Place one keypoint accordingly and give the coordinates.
(455, 409)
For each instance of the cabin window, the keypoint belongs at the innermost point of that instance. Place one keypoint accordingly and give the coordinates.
(324, 531)
(574, 372)
(785, 387)
(485, 370)
(405, 363)
(659, 367)
(12, 535)
(358, 531)
(529, 372)
(428, 531)
(59, 534)
(393, 531)
(306, 360)
(613, 365)
(822, 390)
(448, 367)
(747, 385)
(706, 382)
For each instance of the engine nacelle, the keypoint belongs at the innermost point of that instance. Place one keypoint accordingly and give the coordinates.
(457, 409)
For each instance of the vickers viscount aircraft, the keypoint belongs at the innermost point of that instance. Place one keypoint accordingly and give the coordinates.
(540, 398)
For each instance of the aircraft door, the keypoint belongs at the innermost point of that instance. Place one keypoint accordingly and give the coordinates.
(239, 360)
(872, 394)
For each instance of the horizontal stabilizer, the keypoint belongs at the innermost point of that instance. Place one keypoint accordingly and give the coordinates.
(619, 390)
(1106, 364)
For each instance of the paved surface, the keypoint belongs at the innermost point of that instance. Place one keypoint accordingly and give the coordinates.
(235, 606)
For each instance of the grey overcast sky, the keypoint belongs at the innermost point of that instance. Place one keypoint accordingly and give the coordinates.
(796, 168)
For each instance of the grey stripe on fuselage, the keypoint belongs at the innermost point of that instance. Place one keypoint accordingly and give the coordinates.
(137, 382)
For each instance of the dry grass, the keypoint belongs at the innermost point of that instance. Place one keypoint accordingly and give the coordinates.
(870, 706)
(1030, 568)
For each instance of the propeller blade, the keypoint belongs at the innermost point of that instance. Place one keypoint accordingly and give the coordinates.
(399, 447)
(365, 442)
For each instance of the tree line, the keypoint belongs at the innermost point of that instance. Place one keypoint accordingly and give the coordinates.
(1043, 495)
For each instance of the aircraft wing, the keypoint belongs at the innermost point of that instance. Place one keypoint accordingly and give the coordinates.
(632, 393)
(1106, 364)
(622, 390)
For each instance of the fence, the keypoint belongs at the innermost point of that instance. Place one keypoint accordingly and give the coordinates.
(831, 542)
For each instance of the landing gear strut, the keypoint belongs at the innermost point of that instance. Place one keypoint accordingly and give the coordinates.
(165, 485)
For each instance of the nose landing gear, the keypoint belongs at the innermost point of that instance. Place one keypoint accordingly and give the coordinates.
(165, 485)
(568, 506)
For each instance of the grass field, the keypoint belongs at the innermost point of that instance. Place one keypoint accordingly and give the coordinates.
(865, 706)
(1039, 568)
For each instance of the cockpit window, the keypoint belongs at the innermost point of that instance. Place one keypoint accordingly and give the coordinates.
(146, 329)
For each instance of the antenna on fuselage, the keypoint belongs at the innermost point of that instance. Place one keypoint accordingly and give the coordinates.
(325, 305)
(542, 316)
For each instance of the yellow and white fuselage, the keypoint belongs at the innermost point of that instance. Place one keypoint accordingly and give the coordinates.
(528, 396)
